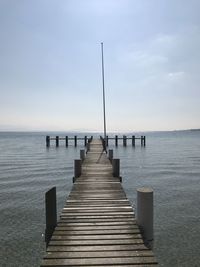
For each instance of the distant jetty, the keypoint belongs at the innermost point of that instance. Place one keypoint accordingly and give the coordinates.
(85, 139)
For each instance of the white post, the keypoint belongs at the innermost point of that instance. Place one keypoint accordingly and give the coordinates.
(145, 214)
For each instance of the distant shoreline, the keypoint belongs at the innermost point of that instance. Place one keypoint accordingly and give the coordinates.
(84, 131)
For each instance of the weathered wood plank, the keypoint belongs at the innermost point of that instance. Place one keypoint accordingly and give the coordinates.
(98, 254)
(62, 236)
(87, 248)
(69, 232)
(107, 224)
(96, 242)
(96, 228)
(99, 261)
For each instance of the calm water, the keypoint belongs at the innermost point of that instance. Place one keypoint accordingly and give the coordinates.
(170, 163)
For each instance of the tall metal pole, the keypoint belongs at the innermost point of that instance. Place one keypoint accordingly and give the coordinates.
(104, 102)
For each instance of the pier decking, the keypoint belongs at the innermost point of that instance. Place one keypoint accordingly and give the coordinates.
(97, 226)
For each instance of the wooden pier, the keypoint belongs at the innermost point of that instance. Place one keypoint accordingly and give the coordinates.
(75, 140)
(97, 226)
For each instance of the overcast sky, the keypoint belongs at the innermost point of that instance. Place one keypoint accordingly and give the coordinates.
(50, 64)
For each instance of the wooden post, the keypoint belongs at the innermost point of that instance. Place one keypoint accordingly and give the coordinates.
(51, 214)
(116, 140)
(88, 147)
(145, 213)
(57, 141)
(77, 169)
(82, 154)
(85, 140)
(141, 140)
(133, 140)
(47, 141)
(107, 140)
(110, 154)
(75, 140)
(66, 141)
(124, 140)
(116, 167)
(144, 140)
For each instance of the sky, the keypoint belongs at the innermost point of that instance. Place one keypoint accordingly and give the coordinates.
(50, 65)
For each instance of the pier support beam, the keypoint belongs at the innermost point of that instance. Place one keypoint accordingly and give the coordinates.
(107, 140)
(51, 214)
(124, 140)
(133, 140)
(57, 141)
(77, 169)
(47, 141)
(88, 146)
(144, 140)
(145, 214)
(116, 140)
(66, 141)
(85, 138)
(110, 154)
(75, 141)
(116, 167)
(82, 154)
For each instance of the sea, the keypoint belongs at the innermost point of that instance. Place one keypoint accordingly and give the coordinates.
(169, 163)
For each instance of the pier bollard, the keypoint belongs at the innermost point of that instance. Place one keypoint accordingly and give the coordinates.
(51, 214)
(77, 169)
(88, 147)
(145, 214)
(124, 140)
(75, 141)
(47, 141)
(116, 140)
(133, 140)
(66, 141)
(110, 154)
(107, 140)
(144, 140)
(57, 141)
(141, 140)
(82, 154)
(116, 167)
(85, 138)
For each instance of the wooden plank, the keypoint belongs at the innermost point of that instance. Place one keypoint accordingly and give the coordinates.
(68, 232)
(86, 208)
(107, 224)
(94, 220)
(96, 228)
(105, 214)
(96, 242)
(92, 248)
(99, 261)
(56, 236)
(99, 254)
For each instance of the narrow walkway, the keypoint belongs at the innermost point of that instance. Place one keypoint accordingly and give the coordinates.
(97, 226)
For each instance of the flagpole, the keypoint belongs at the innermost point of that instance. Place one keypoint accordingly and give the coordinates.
(104, 102)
